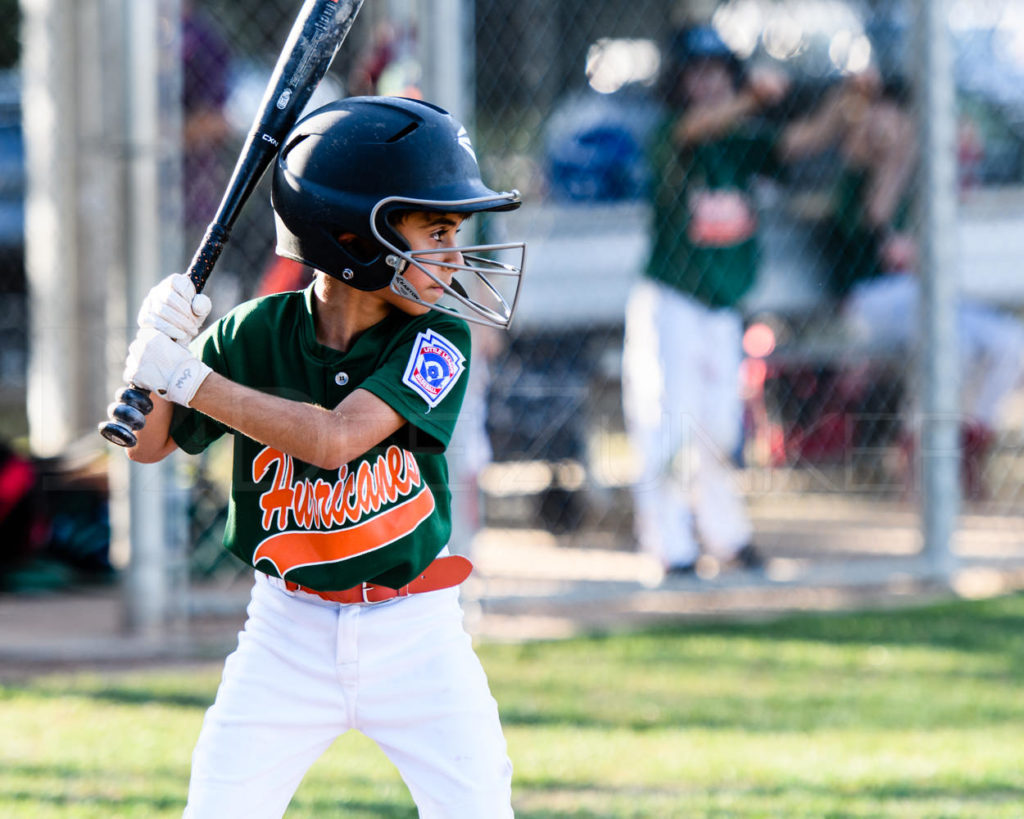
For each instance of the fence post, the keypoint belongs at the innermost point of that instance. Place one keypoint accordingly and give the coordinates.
(940, 359)
(66, 288)
(445, 53)
(151, 127)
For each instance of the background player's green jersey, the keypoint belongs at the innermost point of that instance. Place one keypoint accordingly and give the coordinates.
(382, 517)
(704, 220)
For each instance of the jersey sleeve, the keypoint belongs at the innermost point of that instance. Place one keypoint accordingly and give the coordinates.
(763, 151)
(423, 378)
(191, 430)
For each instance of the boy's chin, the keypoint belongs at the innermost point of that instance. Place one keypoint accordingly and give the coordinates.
(412, 308)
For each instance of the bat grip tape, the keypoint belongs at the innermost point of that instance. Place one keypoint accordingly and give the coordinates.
(207, 254)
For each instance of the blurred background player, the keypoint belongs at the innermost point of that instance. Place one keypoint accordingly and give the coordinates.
(872, 257)
(683, 338)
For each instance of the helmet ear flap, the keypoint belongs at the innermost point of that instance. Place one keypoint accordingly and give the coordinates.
(362, 251)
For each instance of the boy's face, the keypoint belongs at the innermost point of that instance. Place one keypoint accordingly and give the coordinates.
(424, 230)
(707, 81)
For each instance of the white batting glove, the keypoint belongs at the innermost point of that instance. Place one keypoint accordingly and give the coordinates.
(156, 362)
(173, 307)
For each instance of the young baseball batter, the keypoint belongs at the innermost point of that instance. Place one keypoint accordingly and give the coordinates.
(341, 400)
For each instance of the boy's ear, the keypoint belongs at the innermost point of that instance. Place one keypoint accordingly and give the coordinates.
(360, 249)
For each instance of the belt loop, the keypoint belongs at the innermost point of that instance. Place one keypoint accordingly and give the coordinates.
(365, 589)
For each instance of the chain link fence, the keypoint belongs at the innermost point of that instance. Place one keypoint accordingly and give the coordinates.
(722, 285)
(804, 352)
(819, 403)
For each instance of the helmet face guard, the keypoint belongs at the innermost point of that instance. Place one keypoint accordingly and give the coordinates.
(492, 271)
(348, 167)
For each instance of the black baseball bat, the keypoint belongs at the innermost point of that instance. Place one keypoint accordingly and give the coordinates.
(315, 37)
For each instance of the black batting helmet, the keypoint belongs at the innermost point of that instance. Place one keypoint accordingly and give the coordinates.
(351, 165)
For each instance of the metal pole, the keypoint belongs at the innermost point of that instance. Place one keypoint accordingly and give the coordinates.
(447, 50)
(64, 120)
(939, 360)
(443, 52)
(146, 589)
(174, 256)
(445, 47)
(49, 122)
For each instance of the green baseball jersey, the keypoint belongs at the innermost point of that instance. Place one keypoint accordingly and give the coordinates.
(704, 223)
(382, 517)
(853, 245)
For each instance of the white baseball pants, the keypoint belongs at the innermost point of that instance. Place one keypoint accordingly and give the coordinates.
(403, 672)
(884, 311)
(683, 412)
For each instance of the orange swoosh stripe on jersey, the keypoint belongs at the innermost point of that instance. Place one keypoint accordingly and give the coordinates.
(295, 549)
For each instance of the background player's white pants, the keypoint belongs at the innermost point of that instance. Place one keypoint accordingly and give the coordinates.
(884, 311)
(683, 413)
(305, 671)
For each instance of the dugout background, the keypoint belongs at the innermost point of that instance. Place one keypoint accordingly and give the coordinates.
(558, 96)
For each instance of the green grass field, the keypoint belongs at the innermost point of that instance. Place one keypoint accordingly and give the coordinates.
(908, 713)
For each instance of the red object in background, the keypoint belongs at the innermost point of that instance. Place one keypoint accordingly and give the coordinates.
(17, 478)
(826, 414)
(829, 438)
(759, 341)
(970, 153)
(753, 374)
(283, 275)
(767, 438)
(23, 528)
(976, 441)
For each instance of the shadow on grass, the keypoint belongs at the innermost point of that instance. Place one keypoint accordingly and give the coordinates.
(975, 626)
(152, 803)
(351, 807)
(888, 670)
(133, 696)
(986, 626)
(102, 781)
(883, 791)
(796, 715)
(106, 782)
(794, 799)
(115, 694)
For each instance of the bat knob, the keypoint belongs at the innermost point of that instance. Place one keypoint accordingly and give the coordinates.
(126, 415)
(118, 433)
(135, 397)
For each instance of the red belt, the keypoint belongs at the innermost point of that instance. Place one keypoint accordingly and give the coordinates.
(442, 573)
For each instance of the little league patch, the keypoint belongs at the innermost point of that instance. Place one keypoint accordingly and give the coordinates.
(434, 367)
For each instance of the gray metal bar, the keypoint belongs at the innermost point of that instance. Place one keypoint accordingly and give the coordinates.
(939, 357)
(443, 51)
(148, 586)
